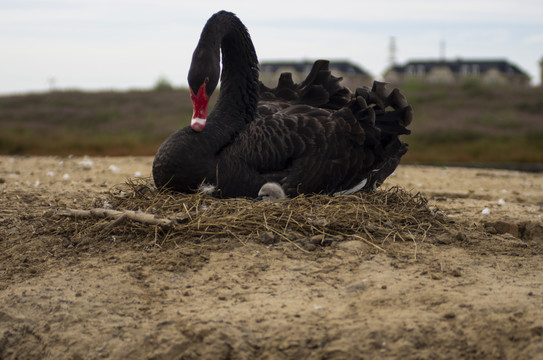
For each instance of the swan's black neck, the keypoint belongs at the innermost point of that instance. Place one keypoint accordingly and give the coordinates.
(236, 105)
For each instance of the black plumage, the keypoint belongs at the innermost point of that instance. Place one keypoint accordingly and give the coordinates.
(312, 137)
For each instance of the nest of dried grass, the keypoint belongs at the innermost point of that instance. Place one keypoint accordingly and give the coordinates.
(386, 215)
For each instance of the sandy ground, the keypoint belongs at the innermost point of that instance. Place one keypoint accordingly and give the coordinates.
(475, 294)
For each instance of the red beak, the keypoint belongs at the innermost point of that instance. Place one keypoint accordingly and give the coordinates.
(199, 107)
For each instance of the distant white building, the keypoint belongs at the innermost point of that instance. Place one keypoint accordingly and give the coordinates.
(353, 75)
(486, 71)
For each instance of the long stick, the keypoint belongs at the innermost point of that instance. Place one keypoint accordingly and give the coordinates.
(139, 216)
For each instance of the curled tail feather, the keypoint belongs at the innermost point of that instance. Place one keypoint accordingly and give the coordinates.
(382, 114)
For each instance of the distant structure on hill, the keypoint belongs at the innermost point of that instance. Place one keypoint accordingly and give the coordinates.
(457, 71)
(353, 75)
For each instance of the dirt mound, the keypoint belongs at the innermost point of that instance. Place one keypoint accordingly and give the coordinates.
(445, 267)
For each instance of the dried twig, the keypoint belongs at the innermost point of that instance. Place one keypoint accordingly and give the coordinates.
(119, 216)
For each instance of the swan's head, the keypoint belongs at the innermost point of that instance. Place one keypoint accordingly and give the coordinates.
(203, 79)
(270, 192)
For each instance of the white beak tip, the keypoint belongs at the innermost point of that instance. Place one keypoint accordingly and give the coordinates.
(198, 124)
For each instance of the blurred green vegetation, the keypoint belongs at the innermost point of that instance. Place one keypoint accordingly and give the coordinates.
(94, 123)
(163, 84)
(453, 124)
(475, 123)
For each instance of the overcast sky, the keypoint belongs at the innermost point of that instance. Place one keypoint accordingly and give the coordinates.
(129, 44)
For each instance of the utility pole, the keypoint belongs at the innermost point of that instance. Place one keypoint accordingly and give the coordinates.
(392, 51)
(442, 50)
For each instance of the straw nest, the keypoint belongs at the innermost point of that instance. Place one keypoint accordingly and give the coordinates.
(137, 211)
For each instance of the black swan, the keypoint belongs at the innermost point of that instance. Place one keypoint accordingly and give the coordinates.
(312, 137)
